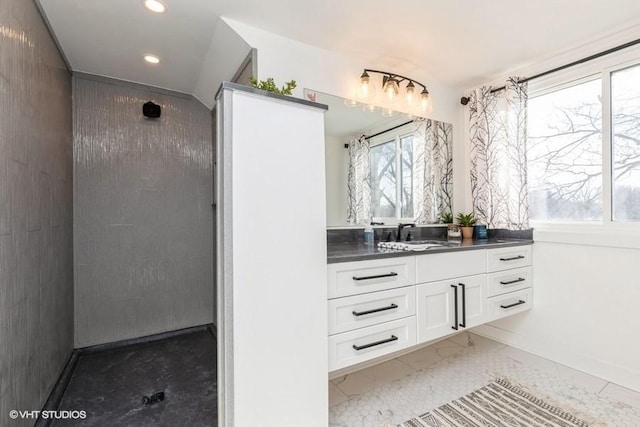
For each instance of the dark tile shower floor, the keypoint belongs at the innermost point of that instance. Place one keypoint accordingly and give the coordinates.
(109, 385)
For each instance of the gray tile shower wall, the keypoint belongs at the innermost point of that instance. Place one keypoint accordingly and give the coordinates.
(143, 220)
(36, 223)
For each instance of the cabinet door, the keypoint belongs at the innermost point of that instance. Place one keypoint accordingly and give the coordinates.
(435, 309)
(472, 300)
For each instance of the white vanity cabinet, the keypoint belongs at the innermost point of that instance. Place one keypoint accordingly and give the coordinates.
(371, 308)
(451, 305)
(509, 281)
(381, 306)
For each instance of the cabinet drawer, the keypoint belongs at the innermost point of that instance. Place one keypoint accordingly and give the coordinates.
(358, 277)
(506, 258)
(509, 281)
(435, 267)
(511, 303)
(357, 346)
(359, 311)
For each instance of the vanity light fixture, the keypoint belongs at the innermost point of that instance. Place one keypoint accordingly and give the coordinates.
(391, 89)
(152, 59)
(155, 6)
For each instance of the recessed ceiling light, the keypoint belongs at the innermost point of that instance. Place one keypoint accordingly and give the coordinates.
(152, 59)
(155, 6)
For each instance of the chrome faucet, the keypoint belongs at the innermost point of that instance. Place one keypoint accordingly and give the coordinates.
(400, 227)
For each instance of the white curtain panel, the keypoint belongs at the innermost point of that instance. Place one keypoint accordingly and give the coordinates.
(432, 170)
(498, 133)
(359, 182)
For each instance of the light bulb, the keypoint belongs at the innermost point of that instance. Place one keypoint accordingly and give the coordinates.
(390, 89)
(155, 6)
(410, 93)
(152, 59)
(364, 86)
(424, 100)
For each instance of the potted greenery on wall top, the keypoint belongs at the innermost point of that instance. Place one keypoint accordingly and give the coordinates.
(270, 86)
(466, 221)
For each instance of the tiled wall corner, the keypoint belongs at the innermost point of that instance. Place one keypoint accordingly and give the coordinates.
(36, 223)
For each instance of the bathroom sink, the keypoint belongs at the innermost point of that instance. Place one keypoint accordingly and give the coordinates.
(427, 242)
(415, 245)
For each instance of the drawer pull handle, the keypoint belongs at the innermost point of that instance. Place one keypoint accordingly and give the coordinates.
(373, 344)
(511, 282)
(513, 258)
(464, 305)
(378, 276)
(520, 302)
(455, 306)
(375, 310)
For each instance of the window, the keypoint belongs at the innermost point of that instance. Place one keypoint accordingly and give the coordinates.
(625, 140)
(565, 153)
(392, 178)
(584, 148)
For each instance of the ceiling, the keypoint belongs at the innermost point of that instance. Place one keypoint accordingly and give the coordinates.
(456, 42)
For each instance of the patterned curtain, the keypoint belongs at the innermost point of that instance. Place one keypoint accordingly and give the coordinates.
(498, 131)
(432, 170)
(359, 182)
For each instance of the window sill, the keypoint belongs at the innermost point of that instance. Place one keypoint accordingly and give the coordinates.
(615, 235)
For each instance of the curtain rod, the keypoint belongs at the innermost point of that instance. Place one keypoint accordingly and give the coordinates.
(465, 100)
(384, 131)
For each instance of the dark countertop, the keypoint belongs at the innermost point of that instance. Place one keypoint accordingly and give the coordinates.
(352, 251)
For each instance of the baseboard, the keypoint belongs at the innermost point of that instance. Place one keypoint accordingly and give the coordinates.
(53, 402)
(562, 355)
(213, 331)
(143, 340)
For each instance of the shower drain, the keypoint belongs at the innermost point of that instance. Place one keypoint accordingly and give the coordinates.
(153, 399)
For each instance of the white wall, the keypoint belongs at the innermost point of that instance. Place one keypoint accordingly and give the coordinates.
(337, 170)
(586, 285)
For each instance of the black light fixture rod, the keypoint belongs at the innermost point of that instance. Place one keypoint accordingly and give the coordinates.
(465, 100)
(368, 70)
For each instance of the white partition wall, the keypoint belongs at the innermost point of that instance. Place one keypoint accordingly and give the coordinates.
(272, 292)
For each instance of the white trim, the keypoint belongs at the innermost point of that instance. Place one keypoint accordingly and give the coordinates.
(561, 354)
(615, 234)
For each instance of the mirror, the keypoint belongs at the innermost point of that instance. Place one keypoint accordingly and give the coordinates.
(406, 160)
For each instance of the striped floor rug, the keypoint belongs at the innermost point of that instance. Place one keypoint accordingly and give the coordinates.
(497, 404)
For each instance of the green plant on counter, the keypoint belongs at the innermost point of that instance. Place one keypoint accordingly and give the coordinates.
(466, 220)
(446, 218)
(270, 86)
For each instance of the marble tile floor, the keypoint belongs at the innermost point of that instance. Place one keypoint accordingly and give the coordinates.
(395, 391)
(109, 385)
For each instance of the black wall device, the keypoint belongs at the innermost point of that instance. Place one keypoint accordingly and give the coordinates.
(151, 110)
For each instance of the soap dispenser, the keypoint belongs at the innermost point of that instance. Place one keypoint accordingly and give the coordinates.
(368, 235)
